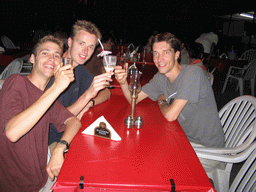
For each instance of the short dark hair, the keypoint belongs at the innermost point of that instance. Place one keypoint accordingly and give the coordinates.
(169, 38)
(48, 38)
(195, 50)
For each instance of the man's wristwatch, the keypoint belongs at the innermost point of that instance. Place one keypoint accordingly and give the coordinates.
(161, 102)
(64, 142)
(93, 102)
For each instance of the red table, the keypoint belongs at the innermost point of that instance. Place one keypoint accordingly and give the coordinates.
(223, 65)
(152, 158)
(6, 59)
(10, 54)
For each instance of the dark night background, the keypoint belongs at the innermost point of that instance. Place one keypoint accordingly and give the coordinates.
(133, 21)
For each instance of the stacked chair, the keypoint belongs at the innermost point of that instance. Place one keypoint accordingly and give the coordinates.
(238, 118)
(13, 68)
(247, 73)
(8, 44)
(249, 55)
(245, 180)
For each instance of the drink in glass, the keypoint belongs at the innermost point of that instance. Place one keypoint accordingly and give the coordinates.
(67, 60)
(109, 62)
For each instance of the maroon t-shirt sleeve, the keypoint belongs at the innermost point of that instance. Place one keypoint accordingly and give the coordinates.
(11, 99)
(59, 114)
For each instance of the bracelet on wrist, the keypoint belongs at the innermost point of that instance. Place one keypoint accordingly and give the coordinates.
(161, 102)
(93, 102)
(64, 142)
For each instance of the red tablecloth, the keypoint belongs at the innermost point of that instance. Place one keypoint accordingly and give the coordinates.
(151, 158)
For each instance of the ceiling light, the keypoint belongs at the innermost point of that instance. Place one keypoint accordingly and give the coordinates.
(246, 15)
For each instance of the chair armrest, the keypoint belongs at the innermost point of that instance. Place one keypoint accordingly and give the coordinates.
(234, 67)
(222, 151)
(228, 158)
(236, 70)
(249, 134)
(218, 150)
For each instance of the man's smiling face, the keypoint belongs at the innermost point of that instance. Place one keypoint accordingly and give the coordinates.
(82, 47)
(47, 60)
(164, 57)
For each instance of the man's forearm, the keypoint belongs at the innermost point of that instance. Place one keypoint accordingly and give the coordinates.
(171, 112)
(83, 100)
(23, 122)
(126, 91)
(72, 127)
(80, 103)
(102, 96)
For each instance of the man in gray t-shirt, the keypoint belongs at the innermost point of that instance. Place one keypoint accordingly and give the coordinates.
(183, 93)
(199, 118)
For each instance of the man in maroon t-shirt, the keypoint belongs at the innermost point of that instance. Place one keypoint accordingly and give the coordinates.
(26, 109)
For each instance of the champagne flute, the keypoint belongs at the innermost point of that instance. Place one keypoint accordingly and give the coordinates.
(109, 62)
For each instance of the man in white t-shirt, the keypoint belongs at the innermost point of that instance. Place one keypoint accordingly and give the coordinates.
(209, 41)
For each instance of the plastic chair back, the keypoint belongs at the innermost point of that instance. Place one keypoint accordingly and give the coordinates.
(251, 70)
(7, 42)
(249, 55)
(238, 118)
(13, 68)
(245, 180)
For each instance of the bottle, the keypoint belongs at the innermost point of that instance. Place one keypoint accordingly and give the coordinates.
(232, 53)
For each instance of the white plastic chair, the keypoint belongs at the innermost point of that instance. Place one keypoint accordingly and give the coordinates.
(245, 180)
(238, 118)
(13, 68)
(210, 75)
(242, 74)
(249, 55)
(7, 43)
